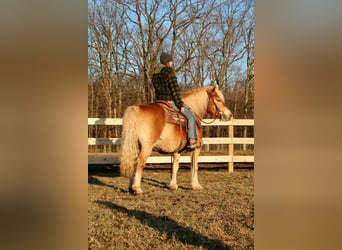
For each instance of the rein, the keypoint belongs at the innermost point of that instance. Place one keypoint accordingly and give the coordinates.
(209, 122)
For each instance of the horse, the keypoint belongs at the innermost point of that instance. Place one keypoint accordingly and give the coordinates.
(145, 128)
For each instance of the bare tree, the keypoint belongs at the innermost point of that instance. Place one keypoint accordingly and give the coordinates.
(249, 82)
(106, 47)
(144, 27)
(154, 26)
(195, 43)
(101, 28)
(231, 16)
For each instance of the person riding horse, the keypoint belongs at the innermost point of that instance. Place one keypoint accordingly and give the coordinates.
(146, 128)
(166, 88)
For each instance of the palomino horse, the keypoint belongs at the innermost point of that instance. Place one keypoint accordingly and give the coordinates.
(145, 128)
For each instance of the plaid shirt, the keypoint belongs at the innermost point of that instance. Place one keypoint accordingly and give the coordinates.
(166, 87)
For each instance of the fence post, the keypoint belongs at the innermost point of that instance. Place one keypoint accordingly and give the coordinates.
(231, 148)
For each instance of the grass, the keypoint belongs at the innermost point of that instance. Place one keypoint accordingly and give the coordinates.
(221, 216)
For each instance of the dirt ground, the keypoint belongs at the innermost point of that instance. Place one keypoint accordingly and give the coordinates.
(221, 216)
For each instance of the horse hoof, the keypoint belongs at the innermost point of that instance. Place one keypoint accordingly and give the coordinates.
(137, 191)
(173, 186)
(197, 187)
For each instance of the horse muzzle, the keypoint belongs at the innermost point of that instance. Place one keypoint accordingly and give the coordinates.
(226, 115)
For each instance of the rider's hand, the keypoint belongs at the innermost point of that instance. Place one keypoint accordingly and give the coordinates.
(182, 109)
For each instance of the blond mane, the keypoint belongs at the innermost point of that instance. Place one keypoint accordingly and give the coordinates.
(197, 100)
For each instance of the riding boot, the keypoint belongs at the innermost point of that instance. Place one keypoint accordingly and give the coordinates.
(192, 143)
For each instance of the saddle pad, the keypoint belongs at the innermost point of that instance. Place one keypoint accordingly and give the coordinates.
(171, 115)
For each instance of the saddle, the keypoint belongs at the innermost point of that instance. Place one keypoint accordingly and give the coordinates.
(175, 117)
(171, 115)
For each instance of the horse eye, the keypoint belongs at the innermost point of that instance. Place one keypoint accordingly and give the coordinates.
(218, 100)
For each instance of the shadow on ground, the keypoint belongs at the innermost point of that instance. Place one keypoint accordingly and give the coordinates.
(160, 184)
(95, 181)
(166, 225)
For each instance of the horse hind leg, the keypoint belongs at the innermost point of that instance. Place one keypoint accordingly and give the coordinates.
(135, 184)
(175, 166)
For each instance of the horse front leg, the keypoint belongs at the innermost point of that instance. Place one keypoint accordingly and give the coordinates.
(175, 166)
(194, 169)
(135, 183)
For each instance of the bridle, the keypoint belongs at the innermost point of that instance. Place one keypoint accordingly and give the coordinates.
(218, 113)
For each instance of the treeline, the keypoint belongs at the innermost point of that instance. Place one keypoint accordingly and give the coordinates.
(210, 41)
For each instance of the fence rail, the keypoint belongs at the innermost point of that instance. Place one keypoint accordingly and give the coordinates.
(230, 158)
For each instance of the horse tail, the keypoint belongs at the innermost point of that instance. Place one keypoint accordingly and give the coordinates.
(129, 142)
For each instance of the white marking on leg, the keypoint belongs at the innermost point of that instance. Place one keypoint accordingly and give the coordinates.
(175, 166)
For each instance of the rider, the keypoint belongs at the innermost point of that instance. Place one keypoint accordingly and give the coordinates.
(166, 88)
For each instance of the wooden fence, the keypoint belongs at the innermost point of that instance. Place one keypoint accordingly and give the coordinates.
(230, 158)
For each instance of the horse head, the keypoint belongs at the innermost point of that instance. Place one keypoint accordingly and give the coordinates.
(216, 106)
